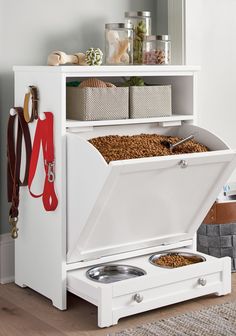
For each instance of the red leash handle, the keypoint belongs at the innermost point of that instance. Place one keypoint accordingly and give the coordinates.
(44, 137)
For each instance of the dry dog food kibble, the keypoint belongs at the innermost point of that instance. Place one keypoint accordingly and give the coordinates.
(115, 147)
(175, 260)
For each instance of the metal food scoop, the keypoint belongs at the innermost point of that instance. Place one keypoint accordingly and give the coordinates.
(171, 146)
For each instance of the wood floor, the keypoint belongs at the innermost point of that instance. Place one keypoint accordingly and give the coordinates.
(24, 312)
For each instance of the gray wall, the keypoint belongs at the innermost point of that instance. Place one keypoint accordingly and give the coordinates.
(162, 17)
(216, 101)
(31, 29)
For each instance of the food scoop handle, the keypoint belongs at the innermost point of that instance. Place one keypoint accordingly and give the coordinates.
(171, 146)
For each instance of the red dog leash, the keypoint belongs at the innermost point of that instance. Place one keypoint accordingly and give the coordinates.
(44, 136)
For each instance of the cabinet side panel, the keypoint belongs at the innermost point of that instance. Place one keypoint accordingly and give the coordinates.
(41, 246)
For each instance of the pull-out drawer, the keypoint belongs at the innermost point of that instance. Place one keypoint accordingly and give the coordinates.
(158, 287)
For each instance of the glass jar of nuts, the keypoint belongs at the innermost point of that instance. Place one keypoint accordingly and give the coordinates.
(142, 27)
(157, 49)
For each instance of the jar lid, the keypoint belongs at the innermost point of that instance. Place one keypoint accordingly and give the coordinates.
(157, 37)
(119, 26)
(138, 14)
(163, 37)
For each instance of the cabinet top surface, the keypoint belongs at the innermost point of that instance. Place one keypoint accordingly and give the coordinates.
(109, 69)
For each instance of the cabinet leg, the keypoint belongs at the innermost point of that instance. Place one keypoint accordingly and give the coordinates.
(60, 302)
(105, 309)
(104, 319)
(20, 284)
(226, 277)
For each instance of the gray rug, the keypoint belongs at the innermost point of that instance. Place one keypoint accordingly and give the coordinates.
(217, 320)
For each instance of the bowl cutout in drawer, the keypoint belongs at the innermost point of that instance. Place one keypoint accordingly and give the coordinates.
(173, 260)
(113, 273)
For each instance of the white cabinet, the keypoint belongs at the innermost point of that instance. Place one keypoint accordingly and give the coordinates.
(102, 216)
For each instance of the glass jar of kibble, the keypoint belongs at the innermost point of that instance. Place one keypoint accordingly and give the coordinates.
(119, 43)
(142, 27)
(157, 49)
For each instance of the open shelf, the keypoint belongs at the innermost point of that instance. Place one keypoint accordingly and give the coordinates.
(113, 70)
(173, 118)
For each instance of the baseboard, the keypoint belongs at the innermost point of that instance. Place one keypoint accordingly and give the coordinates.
(7, 263)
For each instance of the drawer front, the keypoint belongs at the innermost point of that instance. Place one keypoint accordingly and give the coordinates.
(147, 299)
(196, 286)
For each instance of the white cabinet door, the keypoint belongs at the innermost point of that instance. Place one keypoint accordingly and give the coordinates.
(140, 203)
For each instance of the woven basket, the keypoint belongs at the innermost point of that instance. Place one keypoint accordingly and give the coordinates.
(218, 240)
(150, 101)
(92, 103)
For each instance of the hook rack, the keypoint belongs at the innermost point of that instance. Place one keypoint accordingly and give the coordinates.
(12, 112)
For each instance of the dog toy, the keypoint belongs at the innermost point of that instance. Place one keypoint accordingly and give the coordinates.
(60, 57)
(94, 82)
(93, 56)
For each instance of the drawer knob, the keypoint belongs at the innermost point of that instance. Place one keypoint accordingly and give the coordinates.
(183, 164)
(138, 297)
(202, 281)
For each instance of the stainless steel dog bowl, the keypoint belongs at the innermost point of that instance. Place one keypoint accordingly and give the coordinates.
(113, 273)
(196, 258)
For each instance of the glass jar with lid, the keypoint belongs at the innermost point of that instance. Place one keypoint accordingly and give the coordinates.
(142, 26)
(119, 43)
(157, 49)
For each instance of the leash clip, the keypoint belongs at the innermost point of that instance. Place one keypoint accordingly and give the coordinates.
(51, 173)
(14, 230)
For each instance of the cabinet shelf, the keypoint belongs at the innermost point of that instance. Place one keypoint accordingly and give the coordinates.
(113, 70)
(173, 118)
